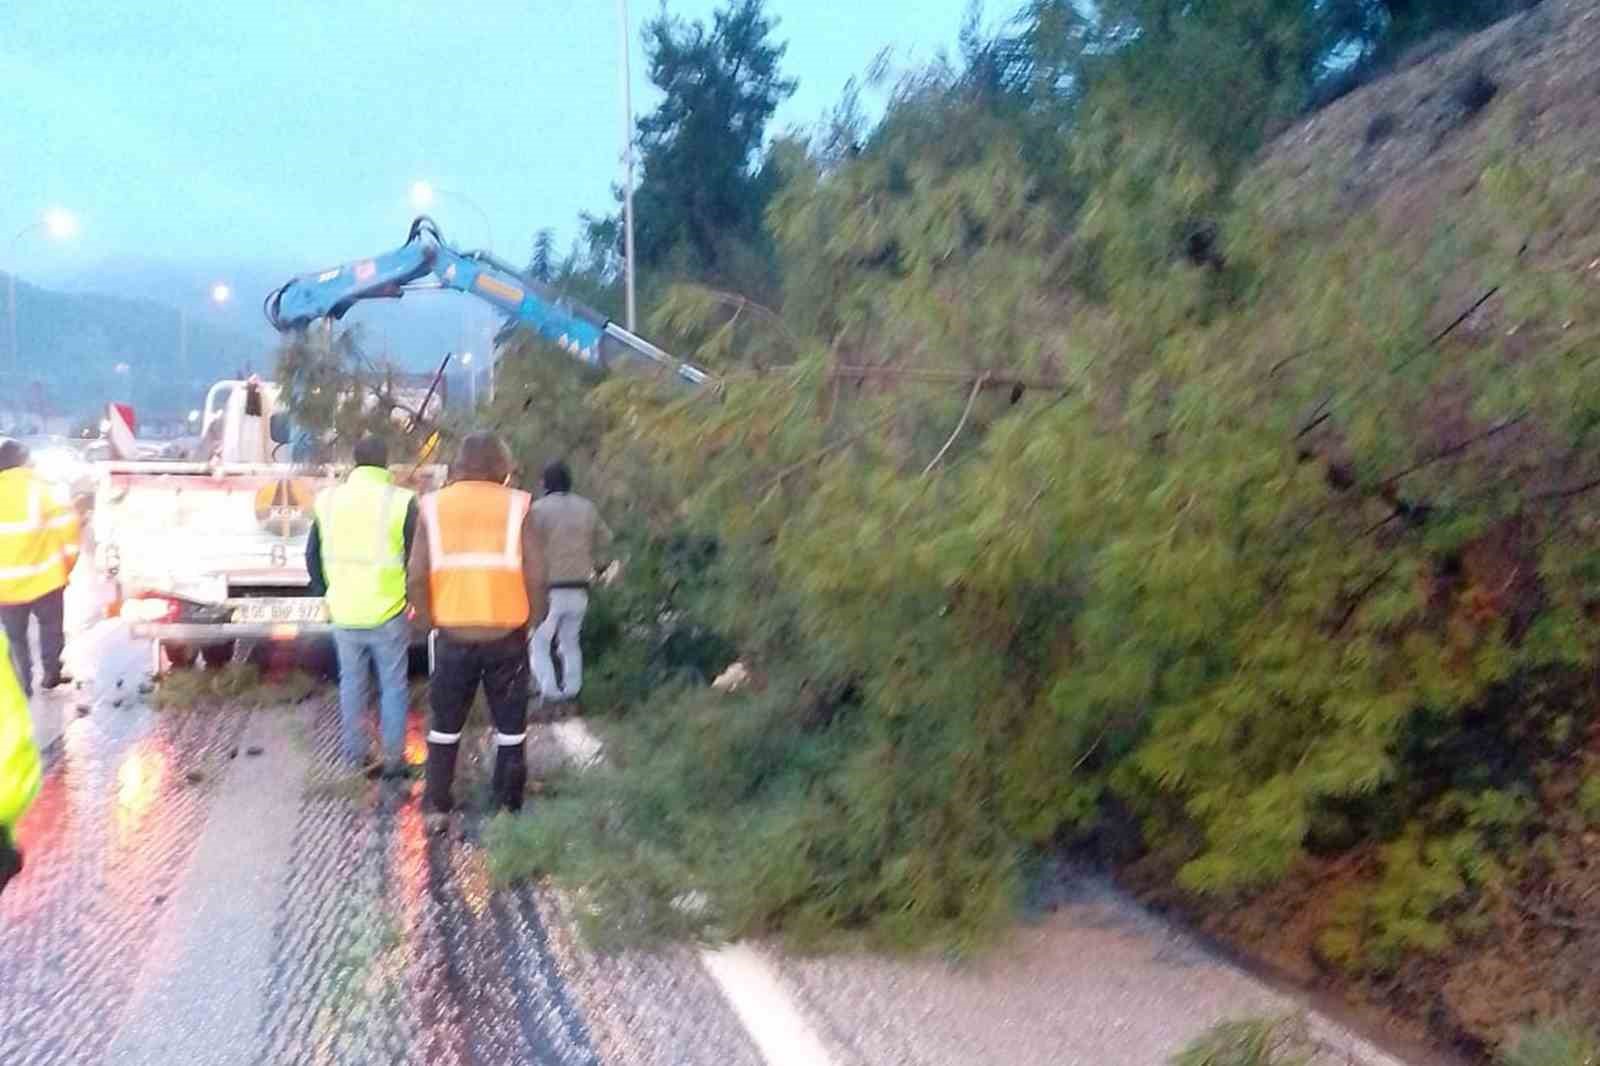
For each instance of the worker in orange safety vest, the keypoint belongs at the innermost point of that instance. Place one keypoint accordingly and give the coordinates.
(476, 579)
(38, 549)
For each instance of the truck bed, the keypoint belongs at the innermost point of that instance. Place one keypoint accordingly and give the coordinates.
(207, 555)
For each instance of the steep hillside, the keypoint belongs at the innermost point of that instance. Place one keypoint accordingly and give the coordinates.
(1457, 199)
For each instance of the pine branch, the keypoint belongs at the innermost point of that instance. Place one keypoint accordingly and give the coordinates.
(823, 452)
(977, 386)
(1090, 750)
(1456, 449)
(1568, 493)
(1322, 413)
(1535, 910)
(989, 377)
(740, 303)
(1360, 596)
(1462, 317)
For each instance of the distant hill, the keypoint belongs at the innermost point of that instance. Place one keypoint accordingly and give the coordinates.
(73, 337)
(77, 351)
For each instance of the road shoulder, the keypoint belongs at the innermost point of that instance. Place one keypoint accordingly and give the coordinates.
(201, 991)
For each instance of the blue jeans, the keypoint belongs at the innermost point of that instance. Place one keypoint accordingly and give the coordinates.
(385, 647)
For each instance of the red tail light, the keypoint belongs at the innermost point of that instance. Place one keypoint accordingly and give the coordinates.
(150, 608)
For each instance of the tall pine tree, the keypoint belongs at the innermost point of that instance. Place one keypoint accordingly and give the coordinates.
(699, 206)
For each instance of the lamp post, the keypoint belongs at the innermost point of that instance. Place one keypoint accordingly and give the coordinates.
(61, 225)
(627, 158)
(472, 380)
(423, 193)
(221, 293)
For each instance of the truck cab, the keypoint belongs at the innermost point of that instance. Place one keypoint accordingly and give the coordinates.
(245, 423)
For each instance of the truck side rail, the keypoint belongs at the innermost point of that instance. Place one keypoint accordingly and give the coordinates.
(242, 469)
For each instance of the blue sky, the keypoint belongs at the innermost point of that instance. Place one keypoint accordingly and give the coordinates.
(229, 132)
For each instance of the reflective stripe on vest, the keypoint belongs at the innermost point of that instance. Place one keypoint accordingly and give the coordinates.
(37, 548)
(363, 548)
(471, 585)
(19, 756)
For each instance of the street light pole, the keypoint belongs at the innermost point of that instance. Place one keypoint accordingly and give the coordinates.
(627, 157)
(11, 317)
(472, 380)
(59, 224)
(220, 294)
(11, 298)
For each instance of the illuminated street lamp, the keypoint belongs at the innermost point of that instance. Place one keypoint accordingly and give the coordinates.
(60, 223)
(220, 294)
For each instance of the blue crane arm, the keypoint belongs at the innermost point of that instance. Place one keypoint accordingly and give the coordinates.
(425, 261)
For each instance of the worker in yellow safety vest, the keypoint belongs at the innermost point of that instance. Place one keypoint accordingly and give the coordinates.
(477, 579)
(38, 549)
(19, 763)
(356, 555)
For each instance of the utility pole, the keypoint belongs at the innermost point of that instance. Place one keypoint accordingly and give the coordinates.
(627, 156)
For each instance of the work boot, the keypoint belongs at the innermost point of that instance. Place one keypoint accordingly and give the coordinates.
(440, 778)
(56, 680)
(510, 780)
(10, 860)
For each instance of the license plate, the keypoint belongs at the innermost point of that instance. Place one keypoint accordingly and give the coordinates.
(270, 612)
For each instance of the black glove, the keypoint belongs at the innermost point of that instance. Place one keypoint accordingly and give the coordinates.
(10, 860)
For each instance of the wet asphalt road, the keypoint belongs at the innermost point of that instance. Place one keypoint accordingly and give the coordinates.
(188, 901)
(205, 887)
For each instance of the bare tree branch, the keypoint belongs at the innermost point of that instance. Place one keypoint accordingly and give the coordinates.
(972, 397)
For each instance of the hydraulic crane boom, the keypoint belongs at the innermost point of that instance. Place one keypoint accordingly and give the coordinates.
(425, 261)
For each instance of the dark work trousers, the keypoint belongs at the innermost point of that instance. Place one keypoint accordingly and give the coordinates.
(52, 637)
(501, 666)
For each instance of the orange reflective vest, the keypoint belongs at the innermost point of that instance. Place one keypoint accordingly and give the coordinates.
(38, 536)
(474, 531)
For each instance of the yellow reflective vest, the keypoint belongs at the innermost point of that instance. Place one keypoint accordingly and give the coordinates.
(38, 536)
(19, 758)
(361, 526)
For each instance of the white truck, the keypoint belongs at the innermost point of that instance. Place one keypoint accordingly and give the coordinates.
(205, 556)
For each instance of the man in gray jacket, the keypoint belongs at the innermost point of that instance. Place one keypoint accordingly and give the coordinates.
(574, 536)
